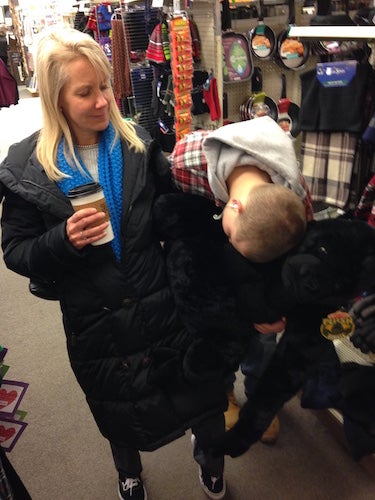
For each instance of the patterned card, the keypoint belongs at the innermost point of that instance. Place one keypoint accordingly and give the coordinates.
(10, 432)
(11, 394)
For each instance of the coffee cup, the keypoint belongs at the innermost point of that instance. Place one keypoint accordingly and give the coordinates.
(91, 196)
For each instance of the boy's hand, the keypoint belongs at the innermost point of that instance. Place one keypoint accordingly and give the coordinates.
(266, 328)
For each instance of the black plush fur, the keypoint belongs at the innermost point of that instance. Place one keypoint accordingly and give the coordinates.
(195, 248)
(334, 264)
(220, 294)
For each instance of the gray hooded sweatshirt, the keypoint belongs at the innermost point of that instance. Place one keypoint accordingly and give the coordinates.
(260, 142)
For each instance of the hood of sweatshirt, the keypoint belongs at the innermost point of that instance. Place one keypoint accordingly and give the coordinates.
(260, 142)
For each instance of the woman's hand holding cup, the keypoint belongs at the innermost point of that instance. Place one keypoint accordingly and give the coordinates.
(90, 223)
(86, 226)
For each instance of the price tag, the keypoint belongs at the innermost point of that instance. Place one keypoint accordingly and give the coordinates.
(336, 74)
(336, 325)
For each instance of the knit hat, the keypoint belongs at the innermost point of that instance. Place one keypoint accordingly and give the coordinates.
(154, 52)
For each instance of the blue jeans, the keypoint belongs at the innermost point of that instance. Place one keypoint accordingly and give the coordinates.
(254, 363)
(261, 349)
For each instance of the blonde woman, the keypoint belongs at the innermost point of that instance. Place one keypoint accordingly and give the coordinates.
(117, 307)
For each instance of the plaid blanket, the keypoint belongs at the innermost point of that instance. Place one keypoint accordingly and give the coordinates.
(189, 166)
(189, 170)
(327, 164)
(366, 206)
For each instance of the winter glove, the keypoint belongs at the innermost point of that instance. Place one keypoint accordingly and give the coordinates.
(363, 314)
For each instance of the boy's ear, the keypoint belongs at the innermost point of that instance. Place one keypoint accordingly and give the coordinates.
(236, 205)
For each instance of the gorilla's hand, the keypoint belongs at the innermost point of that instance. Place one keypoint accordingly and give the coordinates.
(234, 442)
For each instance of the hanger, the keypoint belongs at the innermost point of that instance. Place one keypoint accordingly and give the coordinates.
(117, 14)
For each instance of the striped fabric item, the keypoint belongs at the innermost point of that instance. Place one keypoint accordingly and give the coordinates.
(366, 206)
(120, 62)
(327, 165)
(155, 51)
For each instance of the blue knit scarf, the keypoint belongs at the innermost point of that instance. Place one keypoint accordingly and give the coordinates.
(110, 177)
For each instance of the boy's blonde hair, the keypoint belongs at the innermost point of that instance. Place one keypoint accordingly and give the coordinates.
(55, 50)
(273, 221)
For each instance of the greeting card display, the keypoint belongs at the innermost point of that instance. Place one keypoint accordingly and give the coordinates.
(12, 422)
(10, 432)
(11, 394)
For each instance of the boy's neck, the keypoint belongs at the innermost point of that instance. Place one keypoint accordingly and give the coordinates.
(242, 179)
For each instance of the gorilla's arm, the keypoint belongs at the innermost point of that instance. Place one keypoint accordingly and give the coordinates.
(299, 349)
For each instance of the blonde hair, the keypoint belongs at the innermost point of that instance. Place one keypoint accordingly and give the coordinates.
(55, 51)
(273, 221)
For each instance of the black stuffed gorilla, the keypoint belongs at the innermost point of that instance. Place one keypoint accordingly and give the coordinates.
(220, 294)
(334, 264)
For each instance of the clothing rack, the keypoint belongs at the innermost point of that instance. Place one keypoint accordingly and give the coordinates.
(137, 25)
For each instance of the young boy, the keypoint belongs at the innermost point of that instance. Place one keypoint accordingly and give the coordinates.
(251, 170)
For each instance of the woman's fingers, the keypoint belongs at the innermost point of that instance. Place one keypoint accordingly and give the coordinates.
(86, 226)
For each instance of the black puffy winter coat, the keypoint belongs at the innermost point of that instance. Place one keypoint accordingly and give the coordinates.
(124, 337)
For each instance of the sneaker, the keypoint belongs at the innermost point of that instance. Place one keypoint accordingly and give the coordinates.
(233, 410)
(214, 487)
(271, 434)
(132, 488)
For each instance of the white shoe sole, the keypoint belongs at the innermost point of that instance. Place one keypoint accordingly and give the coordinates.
(210, 494)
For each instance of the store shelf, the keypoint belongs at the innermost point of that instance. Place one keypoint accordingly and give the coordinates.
(333, 32)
